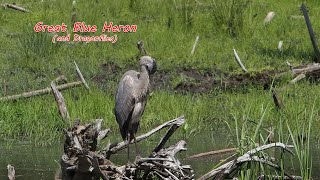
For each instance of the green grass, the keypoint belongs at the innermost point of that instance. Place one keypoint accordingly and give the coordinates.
(168, 29)
(301, 138)
(29, 61)
(297, 132)
(29, 117)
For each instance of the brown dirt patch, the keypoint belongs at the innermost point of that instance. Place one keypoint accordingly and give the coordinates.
(197, 81)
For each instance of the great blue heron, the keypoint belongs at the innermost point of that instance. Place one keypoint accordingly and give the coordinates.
(131, 99)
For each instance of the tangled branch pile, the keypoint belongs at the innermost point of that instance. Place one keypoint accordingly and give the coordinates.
(82, 161)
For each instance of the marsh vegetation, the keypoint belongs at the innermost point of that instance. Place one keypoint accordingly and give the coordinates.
(208, 87)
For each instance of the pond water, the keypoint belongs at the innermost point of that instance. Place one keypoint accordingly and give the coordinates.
(38, 163)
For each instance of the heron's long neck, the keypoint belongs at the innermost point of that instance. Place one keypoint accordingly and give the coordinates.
(144, 79)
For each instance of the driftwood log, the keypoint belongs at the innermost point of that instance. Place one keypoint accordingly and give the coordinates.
(173, 124)
(41, 91)
(214, 153)
(48, 89)
(82, 161)
(229, 169)
(310, 70)
(15, 7)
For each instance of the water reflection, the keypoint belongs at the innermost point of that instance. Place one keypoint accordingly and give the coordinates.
(30, 162)
(41, 163)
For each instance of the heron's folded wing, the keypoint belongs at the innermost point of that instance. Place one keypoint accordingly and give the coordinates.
(125, 98)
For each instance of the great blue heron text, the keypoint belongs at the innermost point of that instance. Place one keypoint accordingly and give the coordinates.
(80, 27)
(83, 27)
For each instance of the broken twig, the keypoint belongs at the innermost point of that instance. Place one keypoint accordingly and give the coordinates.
(274, 177)
(61, 104)
(298, 78)
(194, 45)
(276, 99)
(239, 61)
(140, 46)
(296, 17)
(213, 153)
(81, 76)
(15, 7)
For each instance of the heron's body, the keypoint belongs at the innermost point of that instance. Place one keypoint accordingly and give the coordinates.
(131, 98)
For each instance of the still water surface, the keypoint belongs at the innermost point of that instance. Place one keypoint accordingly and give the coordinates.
(36, 163)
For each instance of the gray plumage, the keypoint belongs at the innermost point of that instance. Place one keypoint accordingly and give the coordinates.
(131, 97)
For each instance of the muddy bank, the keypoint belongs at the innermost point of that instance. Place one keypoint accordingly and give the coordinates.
(185, 80)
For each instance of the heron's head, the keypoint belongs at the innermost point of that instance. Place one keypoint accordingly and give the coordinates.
(150, 63)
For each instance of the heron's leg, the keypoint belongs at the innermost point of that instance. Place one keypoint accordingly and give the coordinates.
(128, 141)
(135, 143)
